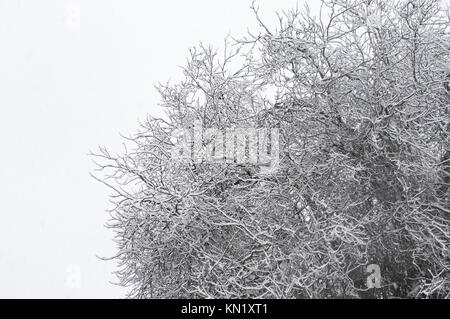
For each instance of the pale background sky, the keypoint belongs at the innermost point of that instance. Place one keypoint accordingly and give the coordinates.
(73, 75)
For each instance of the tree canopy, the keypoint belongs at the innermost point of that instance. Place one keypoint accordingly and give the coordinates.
(360, 95)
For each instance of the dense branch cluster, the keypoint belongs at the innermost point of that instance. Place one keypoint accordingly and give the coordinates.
(360, 95)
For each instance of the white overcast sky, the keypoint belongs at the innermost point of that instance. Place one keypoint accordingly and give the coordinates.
(73, 75)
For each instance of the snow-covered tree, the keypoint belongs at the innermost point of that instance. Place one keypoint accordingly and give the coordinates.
(360, 95)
